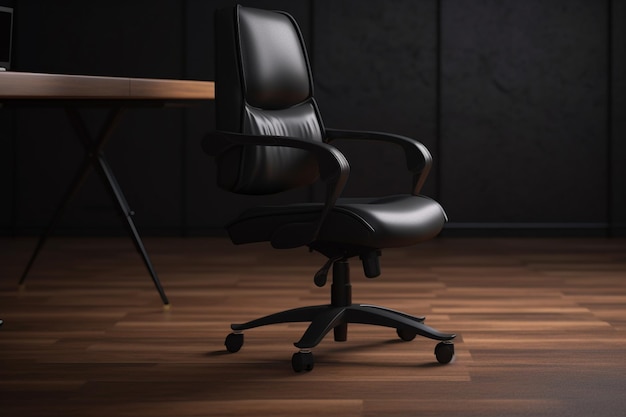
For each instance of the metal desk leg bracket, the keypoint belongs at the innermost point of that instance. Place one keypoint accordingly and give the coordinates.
(94, 158)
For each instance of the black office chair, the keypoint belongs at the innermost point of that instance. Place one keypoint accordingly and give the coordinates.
(270, 138)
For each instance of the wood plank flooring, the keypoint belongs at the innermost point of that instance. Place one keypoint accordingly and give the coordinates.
(541, 324)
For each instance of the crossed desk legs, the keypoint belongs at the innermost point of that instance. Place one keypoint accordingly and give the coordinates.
(94, 158)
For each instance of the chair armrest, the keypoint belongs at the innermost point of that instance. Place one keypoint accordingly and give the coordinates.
(332, 164)
(418, 158)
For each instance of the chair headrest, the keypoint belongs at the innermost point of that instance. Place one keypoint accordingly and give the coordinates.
(273, 57)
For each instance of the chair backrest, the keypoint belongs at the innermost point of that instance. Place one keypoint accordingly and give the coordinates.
(264, 87)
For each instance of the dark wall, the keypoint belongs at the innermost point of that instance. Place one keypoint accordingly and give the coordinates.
(524, 112)
(617, 122)
(99, 38)
(376, 69)
(521, 104)
(7, 158)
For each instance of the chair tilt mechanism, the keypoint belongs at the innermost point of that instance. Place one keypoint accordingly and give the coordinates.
(270, 138)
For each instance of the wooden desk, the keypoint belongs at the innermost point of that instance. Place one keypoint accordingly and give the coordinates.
(73, 92)
(28, 86)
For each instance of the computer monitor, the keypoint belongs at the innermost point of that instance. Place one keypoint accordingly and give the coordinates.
(6, 32)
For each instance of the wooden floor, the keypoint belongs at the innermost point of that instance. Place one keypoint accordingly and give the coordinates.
(541, 324)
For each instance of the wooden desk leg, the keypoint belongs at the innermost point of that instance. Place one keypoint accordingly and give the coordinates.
(94, 158)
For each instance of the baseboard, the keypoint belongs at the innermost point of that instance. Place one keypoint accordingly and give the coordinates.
(527, 229)
(453, 229)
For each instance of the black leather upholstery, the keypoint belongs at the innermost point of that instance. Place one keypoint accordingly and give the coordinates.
(275, 68)
(386, 222)
(270, 139)
(273, 97)
(266, 170)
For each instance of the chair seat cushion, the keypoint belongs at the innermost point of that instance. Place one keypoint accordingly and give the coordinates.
(382, 222)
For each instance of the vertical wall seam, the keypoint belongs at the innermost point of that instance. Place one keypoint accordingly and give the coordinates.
(184, 130)
(609, 119)
(438, 101)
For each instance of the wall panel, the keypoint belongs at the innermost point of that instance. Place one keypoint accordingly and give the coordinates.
(7, 161)
(524, 111)
(375, 69)
(618, 117)
(99, 38)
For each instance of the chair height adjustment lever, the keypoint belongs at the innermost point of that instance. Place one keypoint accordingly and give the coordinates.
(371, 264)
(321, 276)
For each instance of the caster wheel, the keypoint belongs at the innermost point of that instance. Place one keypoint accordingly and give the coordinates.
(444, 352)
(234, 342)
(302, 361)
(406, 334)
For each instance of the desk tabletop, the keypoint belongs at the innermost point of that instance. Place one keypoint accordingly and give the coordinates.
(39, 86)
